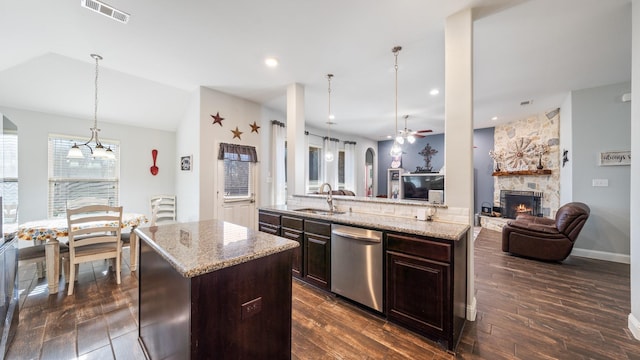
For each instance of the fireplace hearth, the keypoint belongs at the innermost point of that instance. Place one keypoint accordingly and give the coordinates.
(515, 202)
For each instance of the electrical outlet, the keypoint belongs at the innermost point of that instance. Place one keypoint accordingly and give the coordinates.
(600, 182)
(251, 308)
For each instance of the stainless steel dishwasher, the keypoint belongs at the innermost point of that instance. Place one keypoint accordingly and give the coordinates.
(356, 265)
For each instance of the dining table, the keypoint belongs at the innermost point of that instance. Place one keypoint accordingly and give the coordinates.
(48, 231)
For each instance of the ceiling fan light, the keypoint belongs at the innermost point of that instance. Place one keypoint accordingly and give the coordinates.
(399, 140)
(75, 153)
(411, 139)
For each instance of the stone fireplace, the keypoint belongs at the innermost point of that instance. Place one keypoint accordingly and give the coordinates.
(523, 175)
(516, 202)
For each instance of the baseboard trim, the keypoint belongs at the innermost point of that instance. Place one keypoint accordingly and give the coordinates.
(602, 255)
(634, 326)
(472, 310)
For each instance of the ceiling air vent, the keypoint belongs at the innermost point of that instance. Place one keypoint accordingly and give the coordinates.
(105, 10)
(526, 102)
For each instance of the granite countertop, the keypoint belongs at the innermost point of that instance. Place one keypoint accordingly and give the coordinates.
(437, 229)
(201, 247)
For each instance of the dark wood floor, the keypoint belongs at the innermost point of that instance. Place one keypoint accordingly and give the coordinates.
(526, 310)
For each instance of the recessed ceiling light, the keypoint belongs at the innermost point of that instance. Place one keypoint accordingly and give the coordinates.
(494, 118)
(271, 62)
(434, 92)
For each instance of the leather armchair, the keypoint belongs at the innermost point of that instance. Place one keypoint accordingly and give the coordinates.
(544, 238)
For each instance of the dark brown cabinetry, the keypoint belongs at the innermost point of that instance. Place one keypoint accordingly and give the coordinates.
(312, 260)
(425, 277)
(426, 285)
(292, 228)
(317, 253)
(269, 223)
(237, 312)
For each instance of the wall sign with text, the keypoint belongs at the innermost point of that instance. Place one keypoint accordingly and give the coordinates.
(611, 158)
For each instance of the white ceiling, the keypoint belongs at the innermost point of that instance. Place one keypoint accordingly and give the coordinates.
(524, 50)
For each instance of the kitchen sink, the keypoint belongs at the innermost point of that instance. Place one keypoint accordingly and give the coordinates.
(319, 211)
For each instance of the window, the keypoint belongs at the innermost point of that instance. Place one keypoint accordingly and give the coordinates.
(313, 179)
(239, 162)
(74, 178)
(237, 175)
(9, 166)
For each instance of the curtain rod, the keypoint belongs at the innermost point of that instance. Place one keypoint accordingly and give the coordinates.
(331, 139)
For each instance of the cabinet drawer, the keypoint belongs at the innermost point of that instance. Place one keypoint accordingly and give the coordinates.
(269, 218)
(292, 222)
(419, 247)
(268, 228)
(316, 227)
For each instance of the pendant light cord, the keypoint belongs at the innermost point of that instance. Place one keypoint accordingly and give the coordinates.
(329, 76)
(396, 50)
(95, 98)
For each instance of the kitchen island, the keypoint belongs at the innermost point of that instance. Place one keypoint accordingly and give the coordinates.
(212, 289)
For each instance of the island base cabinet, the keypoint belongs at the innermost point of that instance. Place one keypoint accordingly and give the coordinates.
(238, 312)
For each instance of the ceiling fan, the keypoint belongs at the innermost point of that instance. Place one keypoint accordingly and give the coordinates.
(409, 134)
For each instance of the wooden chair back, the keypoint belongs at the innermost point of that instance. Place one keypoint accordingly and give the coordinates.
(163, 209)
(94, 234)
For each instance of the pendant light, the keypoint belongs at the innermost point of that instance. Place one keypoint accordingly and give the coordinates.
(396, 150)
(98, 151)
(328, 155)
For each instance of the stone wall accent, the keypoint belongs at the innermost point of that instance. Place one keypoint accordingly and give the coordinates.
(539, 130)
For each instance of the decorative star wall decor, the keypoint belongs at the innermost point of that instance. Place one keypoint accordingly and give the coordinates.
(217, 119)
(254, 127)
(236, 133)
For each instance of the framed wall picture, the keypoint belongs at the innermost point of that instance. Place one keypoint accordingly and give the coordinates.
(613, 158)
(185, 163)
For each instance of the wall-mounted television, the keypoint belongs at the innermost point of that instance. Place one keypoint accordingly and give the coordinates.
(417, 186)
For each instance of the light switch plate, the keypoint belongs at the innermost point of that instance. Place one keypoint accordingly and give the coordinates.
(600, 182)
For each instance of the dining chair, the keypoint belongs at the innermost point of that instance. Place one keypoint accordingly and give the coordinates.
(36, 253)
(163, 209)
(94, 234)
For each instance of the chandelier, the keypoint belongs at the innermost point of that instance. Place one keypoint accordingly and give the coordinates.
(98, 151)
(396, 150)
(328, 156)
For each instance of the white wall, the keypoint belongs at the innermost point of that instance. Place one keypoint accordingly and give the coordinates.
(601, 122)
(188, 143)
(236, 112)
(566, 143)
(634, 317)
(137, 184)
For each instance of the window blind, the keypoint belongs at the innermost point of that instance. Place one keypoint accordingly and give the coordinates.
(74, 178)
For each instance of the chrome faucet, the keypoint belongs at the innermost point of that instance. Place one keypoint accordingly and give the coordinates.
(329, 197)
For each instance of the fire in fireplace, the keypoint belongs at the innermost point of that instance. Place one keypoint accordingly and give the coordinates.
(514, 203)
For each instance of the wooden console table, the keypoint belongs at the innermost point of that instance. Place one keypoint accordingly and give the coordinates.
(522, 172)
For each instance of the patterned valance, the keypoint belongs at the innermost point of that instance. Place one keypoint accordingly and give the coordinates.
(235, 152)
